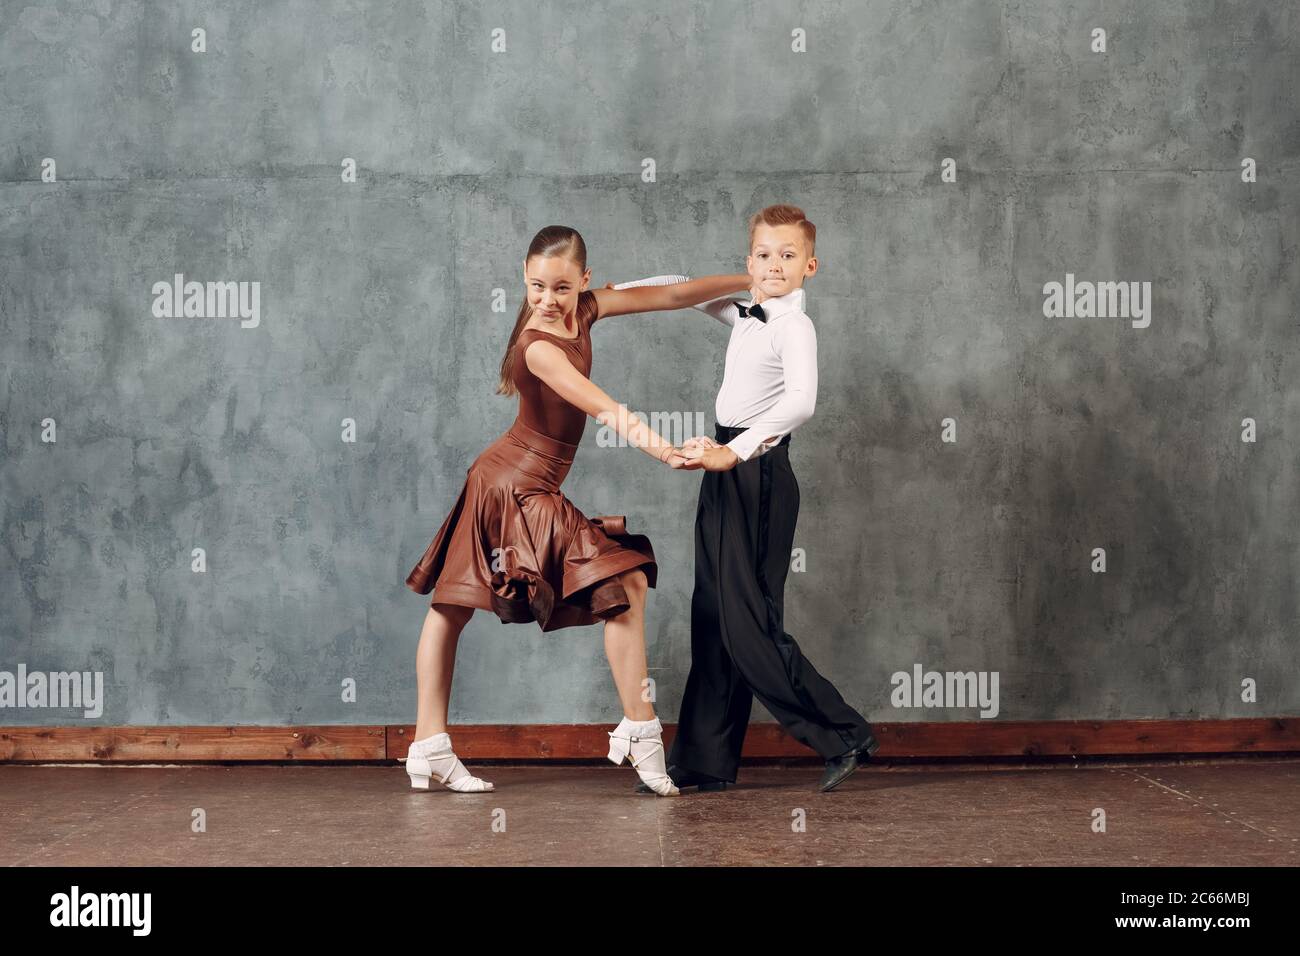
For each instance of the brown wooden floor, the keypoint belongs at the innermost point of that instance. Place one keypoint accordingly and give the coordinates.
(1234, 811)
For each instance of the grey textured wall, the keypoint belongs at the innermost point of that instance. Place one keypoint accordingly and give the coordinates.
(1072, 433)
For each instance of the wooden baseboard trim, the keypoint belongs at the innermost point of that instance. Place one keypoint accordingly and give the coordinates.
(541, 742)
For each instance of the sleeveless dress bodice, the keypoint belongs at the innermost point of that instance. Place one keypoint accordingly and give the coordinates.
(540, 408)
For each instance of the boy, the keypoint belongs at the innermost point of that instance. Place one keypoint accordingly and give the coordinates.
(744, 529)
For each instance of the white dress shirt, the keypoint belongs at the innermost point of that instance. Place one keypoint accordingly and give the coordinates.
(769, 382)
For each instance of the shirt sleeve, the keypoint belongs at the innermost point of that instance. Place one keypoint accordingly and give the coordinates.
(653, 280)
(797, 346)
(722, 308)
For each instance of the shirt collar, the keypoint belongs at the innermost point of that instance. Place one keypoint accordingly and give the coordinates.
(776, 306)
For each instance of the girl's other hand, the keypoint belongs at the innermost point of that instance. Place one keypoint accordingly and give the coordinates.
(700, 441)
(676, 459)
(719, 458)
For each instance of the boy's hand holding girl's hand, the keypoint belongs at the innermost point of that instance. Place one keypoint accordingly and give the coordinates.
(702, 441)
(676, 458)
(704, 452)
(673, 457)
(699, 452)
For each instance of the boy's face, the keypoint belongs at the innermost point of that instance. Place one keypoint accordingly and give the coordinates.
(778, 261)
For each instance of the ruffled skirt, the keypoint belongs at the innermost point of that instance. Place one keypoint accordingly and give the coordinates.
(513, 544)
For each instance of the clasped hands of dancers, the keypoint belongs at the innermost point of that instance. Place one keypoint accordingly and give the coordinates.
(514, 545)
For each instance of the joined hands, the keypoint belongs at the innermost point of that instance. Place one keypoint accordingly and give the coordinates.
(702, 452)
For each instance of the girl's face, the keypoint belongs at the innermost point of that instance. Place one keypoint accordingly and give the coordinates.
(553, 284)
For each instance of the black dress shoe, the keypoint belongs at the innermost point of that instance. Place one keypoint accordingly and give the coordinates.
(838, 768)
(683, 778)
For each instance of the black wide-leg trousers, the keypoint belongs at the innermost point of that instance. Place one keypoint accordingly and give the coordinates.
(744, 533)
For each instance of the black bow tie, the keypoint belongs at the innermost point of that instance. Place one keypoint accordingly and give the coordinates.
(755, 310)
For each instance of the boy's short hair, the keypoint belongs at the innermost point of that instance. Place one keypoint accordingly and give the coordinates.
(784, 215)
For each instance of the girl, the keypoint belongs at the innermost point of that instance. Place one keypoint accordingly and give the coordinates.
(514, 545)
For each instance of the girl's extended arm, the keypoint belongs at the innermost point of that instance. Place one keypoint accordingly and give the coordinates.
(722, 308)
(663, 298)
(547, 362)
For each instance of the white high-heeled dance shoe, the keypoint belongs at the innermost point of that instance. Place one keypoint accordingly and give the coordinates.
(642, 743)
(433, 757)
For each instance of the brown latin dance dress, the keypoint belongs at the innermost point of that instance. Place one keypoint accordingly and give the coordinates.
(513, 544)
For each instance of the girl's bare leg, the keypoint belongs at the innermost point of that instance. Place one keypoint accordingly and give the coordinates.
(639, 735)
(435, 660)
(431, 756)
(625, 648)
